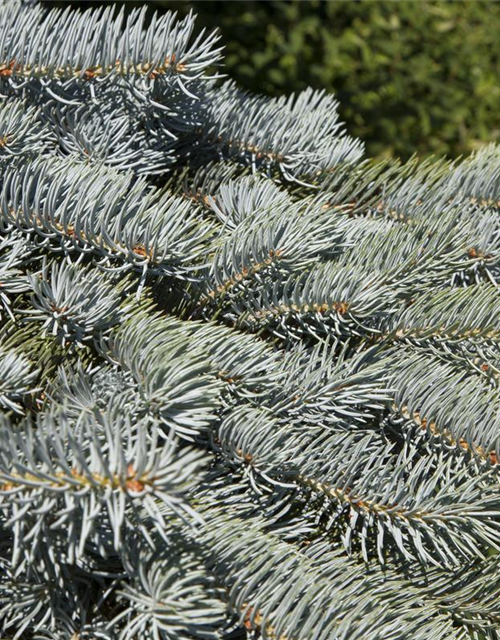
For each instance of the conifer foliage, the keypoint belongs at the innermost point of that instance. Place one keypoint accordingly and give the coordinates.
(249, 380)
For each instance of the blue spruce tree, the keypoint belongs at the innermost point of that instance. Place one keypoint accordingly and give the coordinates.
(249, 379)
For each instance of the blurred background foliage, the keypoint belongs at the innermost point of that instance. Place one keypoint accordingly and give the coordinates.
(412, 76)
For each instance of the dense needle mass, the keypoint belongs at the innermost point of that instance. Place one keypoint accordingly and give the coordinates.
(248, 378)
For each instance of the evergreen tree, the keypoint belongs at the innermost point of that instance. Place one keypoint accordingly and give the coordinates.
(249, 379)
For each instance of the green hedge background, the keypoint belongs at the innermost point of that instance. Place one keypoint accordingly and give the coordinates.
(412, 76)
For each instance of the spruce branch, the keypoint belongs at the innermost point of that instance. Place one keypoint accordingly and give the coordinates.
(99, 45)
(181, 395)
(104, 213)
(302, 137)
(171, 599)
(425, 386)
(74, 304)
(22, 131)
(85, 482)
(304, 598)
